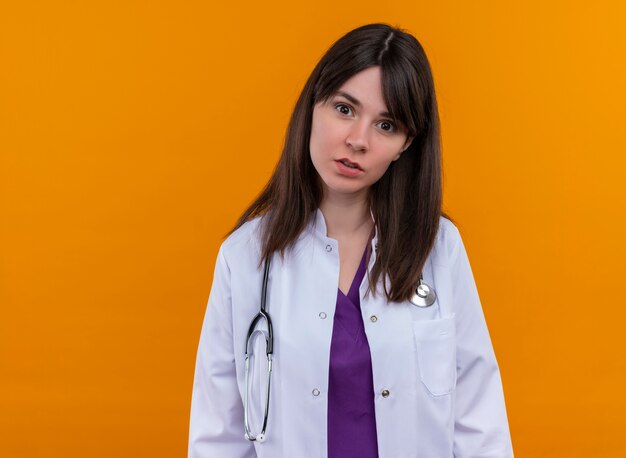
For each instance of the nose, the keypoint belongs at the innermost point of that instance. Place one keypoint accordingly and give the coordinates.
(357, 137)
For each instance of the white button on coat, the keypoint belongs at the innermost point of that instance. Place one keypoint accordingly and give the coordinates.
(437, 361)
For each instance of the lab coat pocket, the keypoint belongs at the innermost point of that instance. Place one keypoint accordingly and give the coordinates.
(436, 354)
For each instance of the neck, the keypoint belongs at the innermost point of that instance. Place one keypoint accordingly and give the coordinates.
(346, 216)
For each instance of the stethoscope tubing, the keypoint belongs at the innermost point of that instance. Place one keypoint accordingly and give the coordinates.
(269, 346)
(424, 296)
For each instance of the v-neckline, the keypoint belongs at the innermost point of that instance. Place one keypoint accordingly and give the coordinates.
(356, 275)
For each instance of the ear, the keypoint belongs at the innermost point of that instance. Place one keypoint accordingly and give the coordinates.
(407, 143)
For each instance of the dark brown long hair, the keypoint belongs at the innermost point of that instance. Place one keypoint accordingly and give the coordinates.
(406, 201)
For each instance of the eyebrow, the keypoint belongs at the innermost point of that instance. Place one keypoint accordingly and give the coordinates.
(356, 102)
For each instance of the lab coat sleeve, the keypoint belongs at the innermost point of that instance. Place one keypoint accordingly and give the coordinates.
(481, 426)
(216, 423)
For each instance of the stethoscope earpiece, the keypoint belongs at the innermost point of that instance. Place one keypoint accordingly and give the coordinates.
(424, 295)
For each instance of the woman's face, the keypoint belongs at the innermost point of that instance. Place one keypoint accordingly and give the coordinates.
(353, 125)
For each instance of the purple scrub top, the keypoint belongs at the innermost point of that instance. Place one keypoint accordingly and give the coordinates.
(351, 419)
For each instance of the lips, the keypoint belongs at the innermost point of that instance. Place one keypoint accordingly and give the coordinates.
(349, 162)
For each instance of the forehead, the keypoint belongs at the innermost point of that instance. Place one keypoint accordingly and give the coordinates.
(366, 87)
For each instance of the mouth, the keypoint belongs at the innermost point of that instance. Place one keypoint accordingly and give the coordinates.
(349, 163)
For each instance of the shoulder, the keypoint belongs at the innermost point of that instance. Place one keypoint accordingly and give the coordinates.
(243, 242)
(446, 242)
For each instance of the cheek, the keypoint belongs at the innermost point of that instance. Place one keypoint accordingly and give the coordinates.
(322, 135)
(380, 169)
(384, 158)
(315, 130)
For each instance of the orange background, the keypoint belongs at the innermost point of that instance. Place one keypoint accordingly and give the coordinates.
(132, 134)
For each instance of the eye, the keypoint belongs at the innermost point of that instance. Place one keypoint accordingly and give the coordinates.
(343, 109)
(387, 126)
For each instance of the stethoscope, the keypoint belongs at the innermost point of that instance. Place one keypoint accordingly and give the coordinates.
(424, 296)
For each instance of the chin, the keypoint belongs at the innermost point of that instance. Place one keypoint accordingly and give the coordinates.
(338, 189)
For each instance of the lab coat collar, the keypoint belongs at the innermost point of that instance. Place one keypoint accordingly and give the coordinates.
(318, 227)
(319, 223)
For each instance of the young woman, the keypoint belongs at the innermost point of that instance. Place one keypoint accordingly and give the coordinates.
(343, 319)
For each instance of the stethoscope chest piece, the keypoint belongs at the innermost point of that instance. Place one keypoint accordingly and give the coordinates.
(424, 295)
